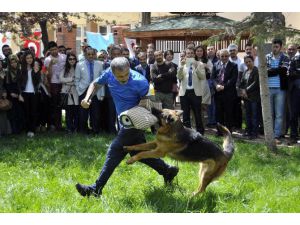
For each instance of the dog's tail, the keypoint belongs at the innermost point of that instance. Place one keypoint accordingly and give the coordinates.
(228, 144)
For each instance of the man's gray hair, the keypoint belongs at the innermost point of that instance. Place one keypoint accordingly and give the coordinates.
(232, 47)
(120, 64)
(224, 50)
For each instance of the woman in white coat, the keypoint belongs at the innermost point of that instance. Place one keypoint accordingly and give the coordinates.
(67, 78)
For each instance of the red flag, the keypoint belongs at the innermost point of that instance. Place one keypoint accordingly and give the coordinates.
(33, 42)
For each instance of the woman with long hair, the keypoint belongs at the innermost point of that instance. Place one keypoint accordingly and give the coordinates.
(29, 83)
(201, 55)
(16, 113)
(249, 89)
(67, 78)
(43, 98)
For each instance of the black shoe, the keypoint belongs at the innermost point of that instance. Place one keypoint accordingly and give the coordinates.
(252, 137)
(87, 190)
(292, 141)
(169, 176)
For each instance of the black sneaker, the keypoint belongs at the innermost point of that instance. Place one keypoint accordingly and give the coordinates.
(169, 176)
(85, 190)
(252, 137)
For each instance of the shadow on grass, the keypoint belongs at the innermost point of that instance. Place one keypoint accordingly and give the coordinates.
(173, 200)
(177, 200)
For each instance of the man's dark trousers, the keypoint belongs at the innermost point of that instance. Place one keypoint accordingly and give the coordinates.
(116, 154)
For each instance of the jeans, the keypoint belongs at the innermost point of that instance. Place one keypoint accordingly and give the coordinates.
(277, 103)
(251, 116)
(116, 154)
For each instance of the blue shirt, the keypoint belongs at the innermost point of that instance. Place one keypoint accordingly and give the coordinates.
(127, 95)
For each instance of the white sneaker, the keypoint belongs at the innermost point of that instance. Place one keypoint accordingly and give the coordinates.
(30, 134)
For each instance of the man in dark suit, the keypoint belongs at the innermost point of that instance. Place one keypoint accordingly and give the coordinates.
(224, 76)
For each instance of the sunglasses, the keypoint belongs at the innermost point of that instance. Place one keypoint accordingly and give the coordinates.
(72, 59)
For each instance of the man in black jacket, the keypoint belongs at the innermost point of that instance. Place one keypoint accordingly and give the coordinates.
(294, 88)
(224, 76)
(163, 76)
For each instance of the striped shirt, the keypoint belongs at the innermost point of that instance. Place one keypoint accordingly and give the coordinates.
(274, 81)
(272, 62)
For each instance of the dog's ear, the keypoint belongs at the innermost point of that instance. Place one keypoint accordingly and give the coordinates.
(178, 112)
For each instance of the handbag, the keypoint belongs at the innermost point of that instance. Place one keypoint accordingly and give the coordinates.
(5, 104)
(64, 96)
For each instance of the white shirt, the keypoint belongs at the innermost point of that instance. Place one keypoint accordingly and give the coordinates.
(238, 61)
(29, 85)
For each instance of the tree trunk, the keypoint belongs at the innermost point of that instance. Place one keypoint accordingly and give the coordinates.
(265, 99)
(146, 18)
(45, 38)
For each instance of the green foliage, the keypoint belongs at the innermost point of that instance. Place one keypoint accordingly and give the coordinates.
(39, 175)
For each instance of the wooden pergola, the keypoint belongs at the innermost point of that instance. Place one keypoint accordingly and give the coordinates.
(174, 32)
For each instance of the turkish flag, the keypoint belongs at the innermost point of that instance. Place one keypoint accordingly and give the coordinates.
(33, 42)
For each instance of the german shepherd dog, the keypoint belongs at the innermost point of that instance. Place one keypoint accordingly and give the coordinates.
(185, 144)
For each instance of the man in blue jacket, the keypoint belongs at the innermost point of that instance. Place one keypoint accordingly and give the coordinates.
(127, 87)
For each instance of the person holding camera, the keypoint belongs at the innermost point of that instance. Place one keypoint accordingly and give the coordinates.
(191, 74)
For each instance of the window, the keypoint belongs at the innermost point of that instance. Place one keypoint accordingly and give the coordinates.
(59, 30)
(115, 32)
(103, 30)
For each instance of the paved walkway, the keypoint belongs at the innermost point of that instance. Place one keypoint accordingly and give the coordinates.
(259, 140)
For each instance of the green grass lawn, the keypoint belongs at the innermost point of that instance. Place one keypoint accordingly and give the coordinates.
(39, 175)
